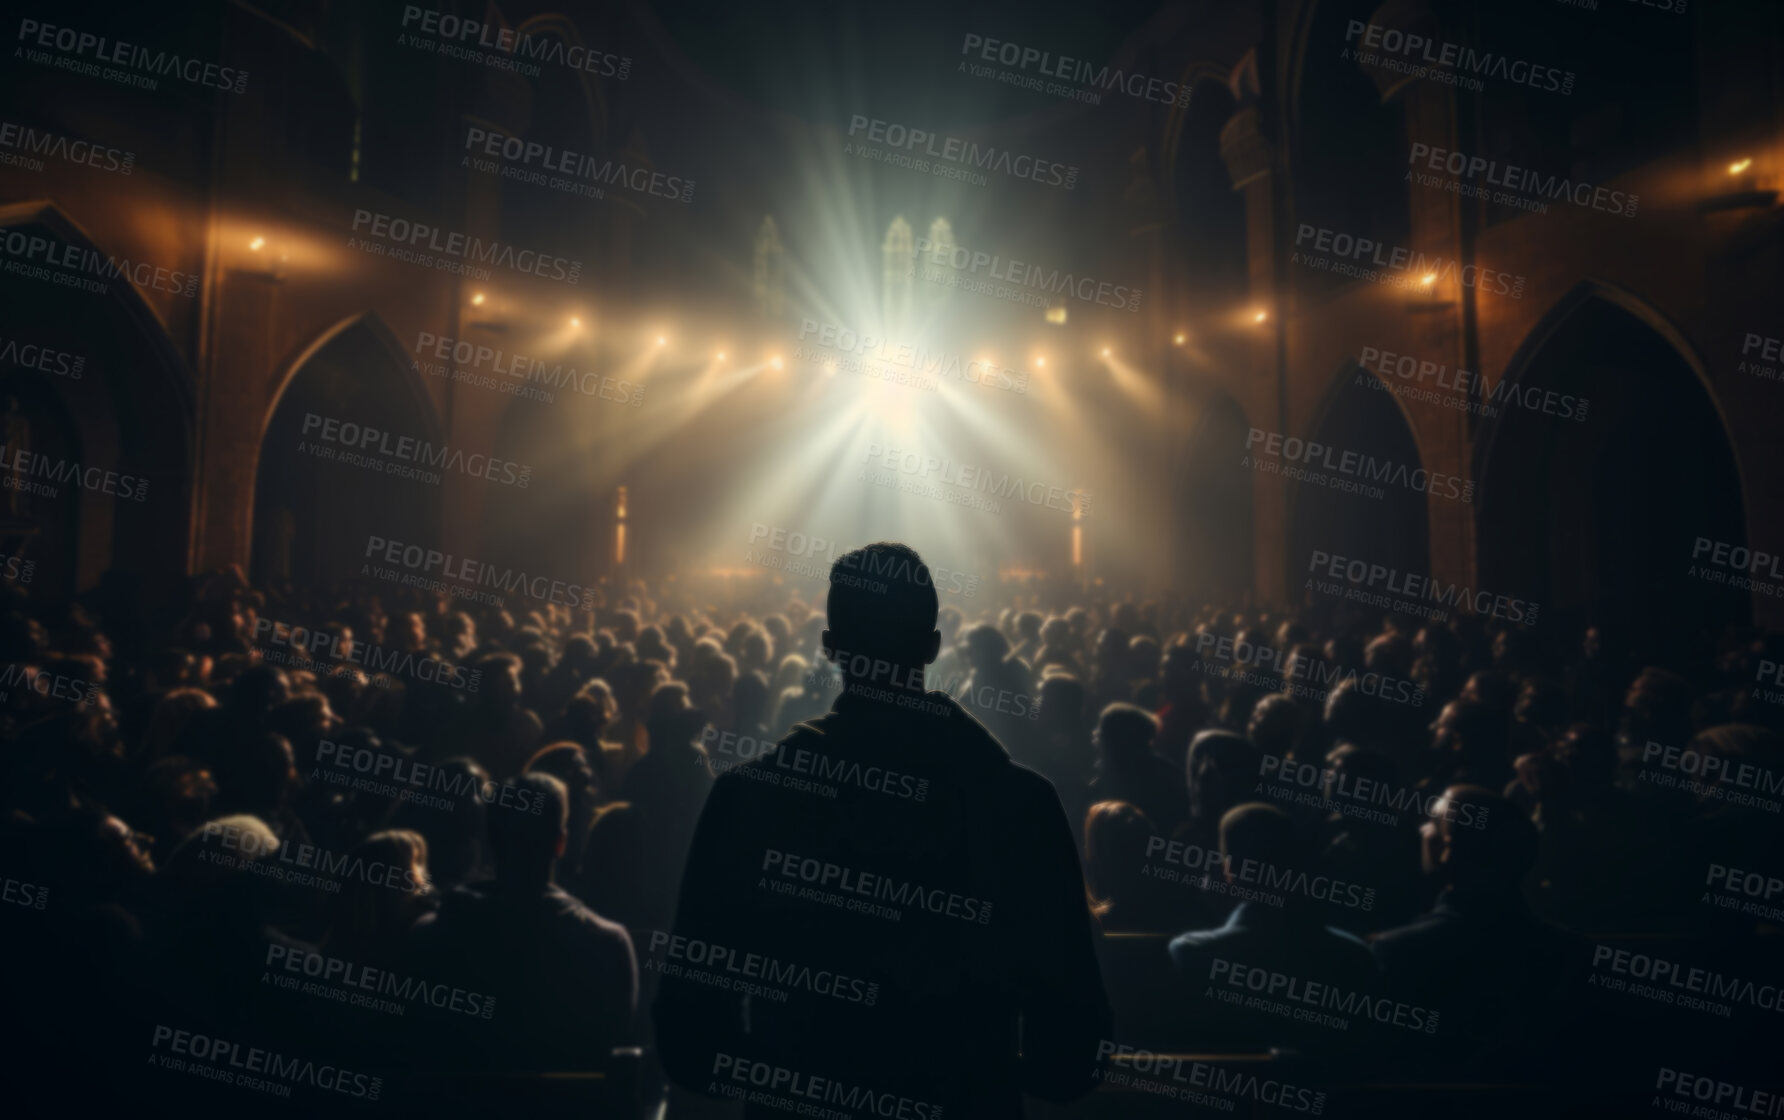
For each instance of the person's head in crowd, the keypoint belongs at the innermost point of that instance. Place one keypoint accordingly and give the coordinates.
(257, 691)
(1256, 835)
(1476, 840)
(409, 633)
(1656, 707)
(1473, 738)
(890, 620)
(1115, 838)
(1142, 657)
(1275, 725)
(97, 858)
(374, 911)
(1236, 706)
(304, 720)
(754, 652)
(673, 722)
(1123, 736)
(501, 688)
(1062, 702)
(653, 646)
(459, 634)
(1349, 767)
(527, 845)
(178, 793)
(172, 720)
(1390, 655)
(1490, 689)
(1541, 704)
(750, 709)
(986, 648)
(1352, 715)
(1028, 630)
(259, 776)
(1223, 767)
(790, 674)
(569, 764)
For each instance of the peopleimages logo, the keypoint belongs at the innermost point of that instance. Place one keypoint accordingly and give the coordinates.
(1253, 879)
(518, 375)
(955, 158)
(1358, 797)
(234, 1064)
(964, 478)
(788, 1090)
(1407, 368)
(1709, 775)
(729, 751)
(459, 253)
(847, 888)
(1091, 82)
(31, 355)
(1447, 59)
(939, 366)
(451, 33)
(1771, 350)
(606, 172)
(1400, 267)
(1515, 185)
(454, 784)
(25, 139)
(1667, 981)
(876, 566)
(705, 962)
(31, 473)
(464, 570)
(1723, 1094)
(1180, 1077)
(950, 265)
(83, 44)
(1273, 660)
(396, 454)
(1320, 1003)
(1717, 559)
(1361, 574)
(76, 266)
(1313, 454)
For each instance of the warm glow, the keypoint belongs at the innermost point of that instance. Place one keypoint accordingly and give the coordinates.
(775, 361)
(1180, 339)
(575, 322)
(661, 341)
(257, 244)
(1428, 279)
(1077, 546)
(1739, 166)
(721, 355)
(1260, 316)
(1105, 351)
(477, 300)
(1056, 315)
(1040, 362)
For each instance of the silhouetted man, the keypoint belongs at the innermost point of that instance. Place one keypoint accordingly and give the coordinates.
(564, 978)
(894, 908)
(1274, 943)
(1501, 978)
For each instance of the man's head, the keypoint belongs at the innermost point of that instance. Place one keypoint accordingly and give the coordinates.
(526, 844)
(882, 605)
(1475, 838)
(1124, 733)
(1256, 832)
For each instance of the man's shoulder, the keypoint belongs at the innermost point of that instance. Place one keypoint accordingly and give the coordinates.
(572, 911)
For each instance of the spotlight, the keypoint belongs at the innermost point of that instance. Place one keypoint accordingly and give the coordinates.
(1428, 279)
(661, 341)
(1105, 351)
(257, 244)
(477, 300)
(575, 321)
(775, 361)
(1260, 316)
(1042, 362)
(1056, 315)
(721, 355)
(1181, 338)
(1739, 166)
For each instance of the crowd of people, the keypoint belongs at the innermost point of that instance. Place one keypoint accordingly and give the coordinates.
(399, 841)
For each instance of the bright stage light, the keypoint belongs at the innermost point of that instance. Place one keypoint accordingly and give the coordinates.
(477, 300)
(1042, 362)
(1739, 166)
(257, 244)
(775, 362)
(661, 341)
(1428, 279)
(575, 322)
(721, 355)
(1105, 351)
(1260, 316)
(1181, 338)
